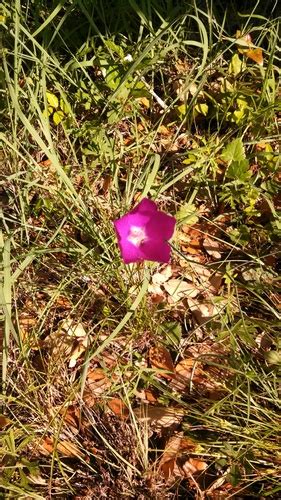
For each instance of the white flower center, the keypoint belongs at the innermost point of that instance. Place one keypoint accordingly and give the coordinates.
(137, 236)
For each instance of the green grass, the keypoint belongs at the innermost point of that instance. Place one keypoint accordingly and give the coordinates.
(101, 104)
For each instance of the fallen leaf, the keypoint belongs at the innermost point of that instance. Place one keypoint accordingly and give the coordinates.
(64, 447)
(72, 328)
(68, 342)
(144, 102)
(164, 130)
(63, 302)
(27, 321)
(146, 395)
(47, 446)
(202, 312)
(255, 54)
(193, 466)
(97, 383)
(163, 276)
(160, 357)
(69, 449)
(174, 449)
(168, 459)
(188, 371)
(155, 289)
(179, 289)
(45, 163)
(4, 421)
(212, 247)
(159, 416)
(247, 48)
(71, 417)
(106, 183)
(118, 407)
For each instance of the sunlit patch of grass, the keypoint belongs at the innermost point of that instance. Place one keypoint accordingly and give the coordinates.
(153, 100)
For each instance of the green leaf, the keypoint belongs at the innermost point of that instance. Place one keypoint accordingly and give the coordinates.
(238, 115)
(114, 48)
(58, 116)
(52, 100)
(190, 159)
(234, 476)
(273, 357)
(172, 332)
(239, 170)
(187, 214)
(240, 235)
(234, 151)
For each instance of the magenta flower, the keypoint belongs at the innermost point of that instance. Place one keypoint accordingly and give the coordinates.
(143, 233)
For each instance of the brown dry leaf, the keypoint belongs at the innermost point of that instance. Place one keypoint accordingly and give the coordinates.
(191, 239)
(159, 416)
(106, 184)
(212, 247)
(27, 321)
(45, 163)
(4, 421)
(157, 298)
(155, 289)
(188, 371)
(215, 283)
(72, 329)
(252, 52)
(175, 447)
(68, 449)
(62, 302)
(47, 446)
(160, 357)
(96, 384)
(179, 289)
(168, 460)
(71, 417)
(164, 275)
(65, 448)
(118, 407)
(202, 312)
(146, 395)
(164, 130)
(144, 102)
(68, 342)
(193, 466)
(255, 54)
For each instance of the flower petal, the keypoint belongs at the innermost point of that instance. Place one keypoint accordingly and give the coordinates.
(129, 252)
(124, 225)
(146, 205)
(160, 226)
(156, 250)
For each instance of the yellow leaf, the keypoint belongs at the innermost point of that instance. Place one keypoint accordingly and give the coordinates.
(202, 109)
(236, 66)
(58, 116)
(64, 107)
(144, 102)
(181, 110)
(52, 100)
